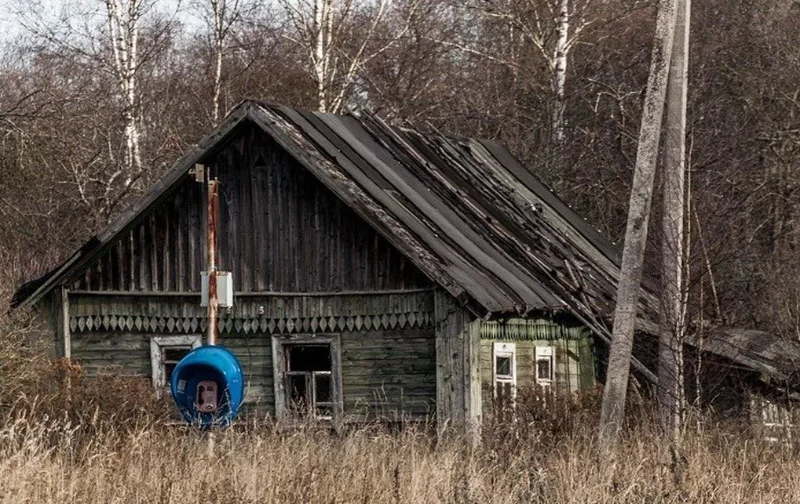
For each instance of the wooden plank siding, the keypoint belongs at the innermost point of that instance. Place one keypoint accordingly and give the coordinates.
(280, 230)
(302, 262)
(388, 363)
(385, 374)
(574, 365)
(128, 353)
(119, 310)
(389, 374)
(458, 387)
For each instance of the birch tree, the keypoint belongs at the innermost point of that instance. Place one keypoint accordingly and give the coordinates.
(123, 31)
(614, 395)
(218, 9)
(336, 51)
(221, 17)
(553, 28)
(109, 53)
(673, 301)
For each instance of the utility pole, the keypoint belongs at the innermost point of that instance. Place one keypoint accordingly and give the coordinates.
(670, 349)
(615, 393)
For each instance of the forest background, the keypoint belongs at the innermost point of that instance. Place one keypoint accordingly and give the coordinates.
(88, 120)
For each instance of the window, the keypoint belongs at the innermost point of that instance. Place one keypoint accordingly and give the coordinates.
(308, 380)
(545, 365)
(307, 377)
(165, 353)
(505, 372)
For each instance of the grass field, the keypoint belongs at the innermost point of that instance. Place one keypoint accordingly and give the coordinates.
(54, 460)
(88, 441)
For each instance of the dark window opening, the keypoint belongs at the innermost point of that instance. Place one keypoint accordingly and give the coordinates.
(503, 366)
(170, 357)
(544, 370)
(308, 358)
(309, 384)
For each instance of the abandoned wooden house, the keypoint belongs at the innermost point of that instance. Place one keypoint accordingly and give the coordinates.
(377, 272)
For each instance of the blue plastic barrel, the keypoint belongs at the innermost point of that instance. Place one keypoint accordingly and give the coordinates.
(208, 386)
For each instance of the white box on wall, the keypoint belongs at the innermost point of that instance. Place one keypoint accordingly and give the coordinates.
(224, 289)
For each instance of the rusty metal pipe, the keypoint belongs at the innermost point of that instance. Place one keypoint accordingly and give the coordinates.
(213, 301)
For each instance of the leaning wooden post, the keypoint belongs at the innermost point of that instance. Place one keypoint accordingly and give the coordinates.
(213, 302)
(630, 277)
(64, 343)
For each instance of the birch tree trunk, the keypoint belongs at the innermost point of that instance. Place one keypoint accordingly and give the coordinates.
(614, 395)
(559, 74)
(336, 52)
(323, 24)
(553, 28)
(670, 350)
(218, 12)
(123, 26)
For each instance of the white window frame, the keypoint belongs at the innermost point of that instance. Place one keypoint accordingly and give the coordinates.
(157, 345)
(508, 350)
(545, 353)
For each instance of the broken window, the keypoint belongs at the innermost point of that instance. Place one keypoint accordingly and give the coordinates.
(309, 381)
(307, 372)
(170, 357)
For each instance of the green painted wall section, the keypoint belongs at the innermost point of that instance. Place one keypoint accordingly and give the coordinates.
(574, 354)
(387, 374)
(390, 375)
(128, 353)
(121, 353)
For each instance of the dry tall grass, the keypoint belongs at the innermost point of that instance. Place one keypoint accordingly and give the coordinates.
(53, 460)
(94, 450)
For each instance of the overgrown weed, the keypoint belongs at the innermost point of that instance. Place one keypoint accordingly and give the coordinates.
(66, 437)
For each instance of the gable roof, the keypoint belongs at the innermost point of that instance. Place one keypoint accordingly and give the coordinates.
(466, 212)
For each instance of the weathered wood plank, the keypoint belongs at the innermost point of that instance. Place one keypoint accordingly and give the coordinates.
(63, 334)
(282, 230)
(458, 394)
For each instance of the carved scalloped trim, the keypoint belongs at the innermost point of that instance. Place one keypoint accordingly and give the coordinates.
(302, 325)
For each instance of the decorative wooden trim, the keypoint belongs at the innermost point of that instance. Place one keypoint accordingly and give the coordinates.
(335, 293)
(263, 325)
(156, 294)
(503, 349)
(531, 330)
(547, 353)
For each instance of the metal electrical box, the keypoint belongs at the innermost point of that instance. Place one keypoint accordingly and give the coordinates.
(224, 289)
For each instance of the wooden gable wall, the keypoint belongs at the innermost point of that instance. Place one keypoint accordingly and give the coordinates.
(281, 230)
